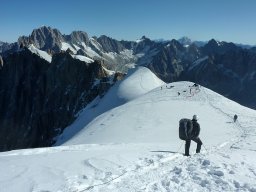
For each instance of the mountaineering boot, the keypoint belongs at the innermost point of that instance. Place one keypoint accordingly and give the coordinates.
(198, 148)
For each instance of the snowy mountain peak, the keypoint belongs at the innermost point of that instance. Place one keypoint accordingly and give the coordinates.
(77, 37)
(44, 38)
(185, 41)
(143, 38)
(213, 42)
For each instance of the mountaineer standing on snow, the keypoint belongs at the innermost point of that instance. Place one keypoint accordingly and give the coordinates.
(190, 130)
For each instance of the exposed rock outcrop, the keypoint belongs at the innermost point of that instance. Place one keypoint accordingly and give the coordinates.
(172, 59)
(44, 38)
(232, 74)
(1, 62)
(38, 100)
(77, 37)
(110, 45)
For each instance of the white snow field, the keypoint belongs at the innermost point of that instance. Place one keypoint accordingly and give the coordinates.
(134, 147)
(137, 82)
(44, 55)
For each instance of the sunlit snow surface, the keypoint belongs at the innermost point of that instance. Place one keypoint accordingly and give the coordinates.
(65, 46)
(40, 53)
(137, 83)
(133, 147)
(83, 58)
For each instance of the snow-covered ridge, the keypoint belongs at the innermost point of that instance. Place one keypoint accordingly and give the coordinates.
(95, 44)
(134, 145)
(151, 116)
(65, 46)
(83, 58)
(40, 53)
(136, 83)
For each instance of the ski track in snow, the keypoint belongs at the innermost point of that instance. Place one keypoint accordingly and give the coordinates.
(164, 172)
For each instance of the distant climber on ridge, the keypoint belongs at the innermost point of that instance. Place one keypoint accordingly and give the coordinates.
(235, 117)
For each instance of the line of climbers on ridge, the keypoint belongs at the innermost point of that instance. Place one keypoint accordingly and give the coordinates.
(195, 87)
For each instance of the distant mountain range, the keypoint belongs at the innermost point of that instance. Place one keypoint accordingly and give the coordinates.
(46, 78)
(185, 41)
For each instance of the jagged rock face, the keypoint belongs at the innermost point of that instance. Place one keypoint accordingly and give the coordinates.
(167, 62)
(44, 38)
(231, 74)
(81, 52)
(6, 48)
(1, 62)
(185, 41)
(228, 69)
(213, 47)
(76, 37)
(128, 44)
(38, 100)
(144, 44)
(118, 76)
(110, 45)
(172, 59)
(247, 94)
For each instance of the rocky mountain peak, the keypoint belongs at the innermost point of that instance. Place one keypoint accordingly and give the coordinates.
(176, 44)
(211, 46)
(76, 37)
(110, 45)
(213, 42)
(185, 41)
(45, 31)
(44, 38)
(214, 46)
(145, 38)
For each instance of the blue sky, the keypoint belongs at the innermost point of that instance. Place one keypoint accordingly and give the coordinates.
(227, 20)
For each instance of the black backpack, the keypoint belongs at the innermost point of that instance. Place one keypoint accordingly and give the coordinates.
(185, 129)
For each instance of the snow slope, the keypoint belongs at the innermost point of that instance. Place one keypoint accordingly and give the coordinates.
(135, 146)
(65, 46)
(154, 117)
(83, 58)
(136, 83)
(40, 53)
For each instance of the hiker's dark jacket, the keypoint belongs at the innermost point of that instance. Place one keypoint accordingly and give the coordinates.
(196, 129)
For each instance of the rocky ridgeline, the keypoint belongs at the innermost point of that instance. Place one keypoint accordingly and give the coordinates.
(39, 99)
